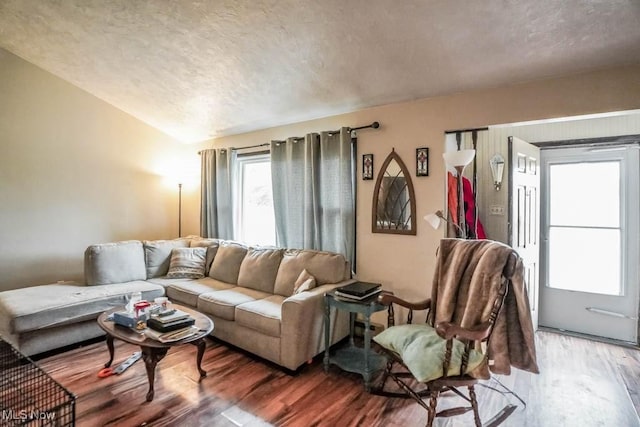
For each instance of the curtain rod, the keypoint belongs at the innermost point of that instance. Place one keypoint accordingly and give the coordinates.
(447, 132)
(374, 125)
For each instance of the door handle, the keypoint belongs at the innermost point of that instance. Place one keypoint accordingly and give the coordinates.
(609, 313)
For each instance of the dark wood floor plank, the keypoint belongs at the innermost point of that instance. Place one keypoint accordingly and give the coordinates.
(582, 383)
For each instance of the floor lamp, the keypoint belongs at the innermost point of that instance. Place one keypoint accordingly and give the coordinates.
(458, 160)
(179, 209)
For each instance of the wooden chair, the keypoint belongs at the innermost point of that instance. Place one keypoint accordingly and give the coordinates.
(472, 338)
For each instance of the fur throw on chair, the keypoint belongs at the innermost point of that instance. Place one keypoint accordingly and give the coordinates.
(462, 295)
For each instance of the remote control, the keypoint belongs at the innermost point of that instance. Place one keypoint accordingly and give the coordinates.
(166, 313)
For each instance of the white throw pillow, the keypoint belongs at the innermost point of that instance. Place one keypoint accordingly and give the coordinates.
(304, 282)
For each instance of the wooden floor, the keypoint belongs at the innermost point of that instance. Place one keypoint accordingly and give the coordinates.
(582, 383)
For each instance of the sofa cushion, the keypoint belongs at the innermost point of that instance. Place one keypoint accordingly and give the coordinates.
(157, 255)
(44, 306)
(226, 264)
(187, 263)
(212, 248)
(116, 262)
(187, 291)
(259, 268)
(262, 315)
(326, 267)
(304, 282)
(223, 303)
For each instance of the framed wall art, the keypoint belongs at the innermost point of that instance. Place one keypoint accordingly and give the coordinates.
(422, 161)
(367, 166)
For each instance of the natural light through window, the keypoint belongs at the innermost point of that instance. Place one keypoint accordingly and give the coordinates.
(584, 227)
(254, 205)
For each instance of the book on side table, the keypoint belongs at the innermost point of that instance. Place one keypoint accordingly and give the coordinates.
(358, 290)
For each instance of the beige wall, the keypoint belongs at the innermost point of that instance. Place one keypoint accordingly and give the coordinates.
(75, 171)
(405, 264)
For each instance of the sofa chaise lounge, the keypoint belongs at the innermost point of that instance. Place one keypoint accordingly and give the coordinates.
(249, 293)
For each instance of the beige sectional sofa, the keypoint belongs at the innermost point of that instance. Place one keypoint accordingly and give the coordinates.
(247, 291)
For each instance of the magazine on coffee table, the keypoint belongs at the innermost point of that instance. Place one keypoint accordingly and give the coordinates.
(167, 337)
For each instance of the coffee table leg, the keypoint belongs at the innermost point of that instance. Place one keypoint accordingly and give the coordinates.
(111, 351)
(201, 344)
(151, 357)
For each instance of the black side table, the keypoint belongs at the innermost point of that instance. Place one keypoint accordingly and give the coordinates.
(360, 360)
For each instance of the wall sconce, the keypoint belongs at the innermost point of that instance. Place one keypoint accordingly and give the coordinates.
(497, 170)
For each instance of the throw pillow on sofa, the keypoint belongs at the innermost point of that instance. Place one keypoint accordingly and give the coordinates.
(187, 263)
(304, 282)
(212, 248)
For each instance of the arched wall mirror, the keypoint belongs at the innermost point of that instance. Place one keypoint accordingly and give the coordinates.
(394, 201)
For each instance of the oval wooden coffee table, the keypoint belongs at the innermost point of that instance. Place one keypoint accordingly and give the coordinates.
(154, 351)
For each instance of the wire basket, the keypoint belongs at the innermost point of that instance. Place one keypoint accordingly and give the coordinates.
(30, 397)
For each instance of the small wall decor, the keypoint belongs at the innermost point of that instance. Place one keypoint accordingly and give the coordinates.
(422, 161)
(394, 202)
(367, 166)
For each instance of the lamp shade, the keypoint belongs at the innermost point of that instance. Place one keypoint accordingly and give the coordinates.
(458, 158)
(433, 220)
(497, 170)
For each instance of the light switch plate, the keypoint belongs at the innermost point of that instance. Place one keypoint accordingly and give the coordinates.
(496, 210)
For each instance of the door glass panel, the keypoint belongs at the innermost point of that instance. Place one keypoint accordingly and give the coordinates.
(585, 260)
(584, 229)
(585, 194)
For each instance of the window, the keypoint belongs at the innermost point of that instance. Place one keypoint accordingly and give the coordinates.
(254, 216)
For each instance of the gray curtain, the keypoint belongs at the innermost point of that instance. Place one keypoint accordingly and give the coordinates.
(216, 214)
(313, 192)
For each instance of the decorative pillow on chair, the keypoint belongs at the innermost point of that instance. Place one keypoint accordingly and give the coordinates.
(304, 282)
(187, 263)
(422, 351)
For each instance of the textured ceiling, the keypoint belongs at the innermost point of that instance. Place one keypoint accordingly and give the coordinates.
(199, 69)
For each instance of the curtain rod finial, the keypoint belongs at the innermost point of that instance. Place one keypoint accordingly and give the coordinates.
(375, 125)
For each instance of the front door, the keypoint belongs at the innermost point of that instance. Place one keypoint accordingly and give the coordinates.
(590, 241)
(524, 218)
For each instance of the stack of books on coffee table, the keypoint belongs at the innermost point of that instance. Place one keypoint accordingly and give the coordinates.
(358, 291)
(170, 326)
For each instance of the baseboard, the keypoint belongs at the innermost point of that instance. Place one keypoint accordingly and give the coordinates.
(605, 340)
